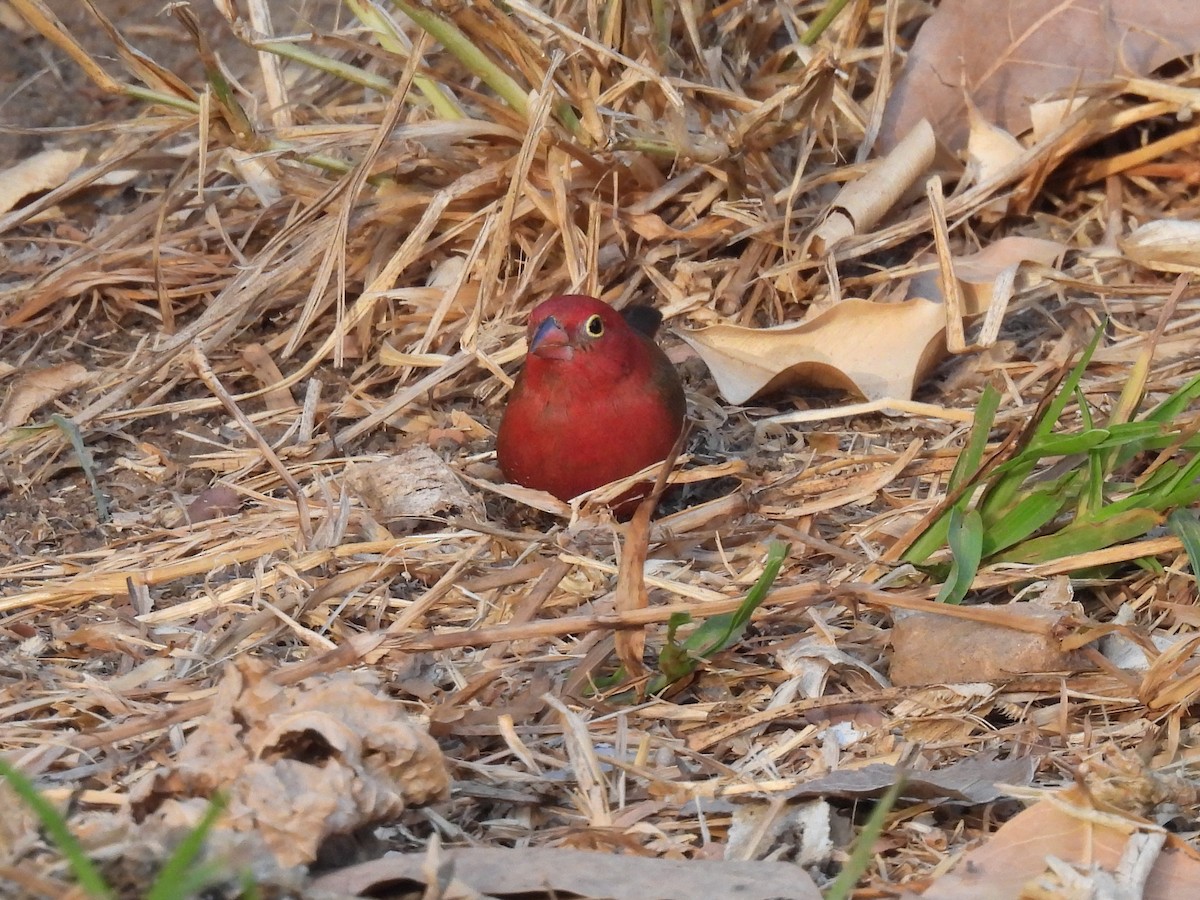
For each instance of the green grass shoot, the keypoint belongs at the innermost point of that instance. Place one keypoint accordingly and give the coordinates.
(1057, 493)
(679, 659)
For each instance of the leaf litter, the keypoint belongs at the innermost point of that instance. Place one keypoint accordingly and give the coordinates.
(312, 303)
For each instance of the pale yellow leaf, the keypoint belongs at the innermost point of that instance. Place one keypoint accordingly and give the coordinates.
(877, 350)
(1165, 245)
(989, 147)
(873, 349)
(40, 172)
(35, 389)
(989, 274)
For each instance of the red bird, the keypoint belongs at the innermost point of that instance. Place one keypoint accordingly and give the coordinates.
(596, 401)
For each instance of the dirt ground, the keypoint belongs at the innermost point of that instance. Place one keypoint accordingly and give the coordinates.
(39, 89)
(47, 100)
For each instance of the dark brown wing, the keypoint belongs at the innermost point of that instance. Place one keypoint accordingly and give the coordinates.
(645, 319)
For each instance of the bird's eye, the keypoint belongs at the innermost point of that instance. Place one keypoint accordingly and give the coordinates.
(594, 326)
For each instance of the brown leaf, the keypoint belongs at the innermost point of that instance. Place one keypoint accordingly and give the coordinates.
(990, 273)
(418, 482)
(40, 172)
(972, 780)
(260, 365)
(534, 871)
(213, 503)
(1165, 245)
(1021, 51)
(37, 388)
(299, 762)
(1066, 828)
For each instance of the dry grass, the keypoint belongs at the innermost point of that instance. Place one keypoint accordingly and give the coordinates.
(353, 268)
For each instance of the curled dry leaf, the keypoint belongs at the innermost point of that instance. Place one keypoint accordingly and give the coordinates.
(878, 350)
(863, 202)
(257, 173)
(990, 149)
(1122, 780)
(416, 483)
(980, 272)
(262, 366)
(1166, 245)
(35, 389)
(1021, 51)
(40, 172)
(989, 277)
(298, 763)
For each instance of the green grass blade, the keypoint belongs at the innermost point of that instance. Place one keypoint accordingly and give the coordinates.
(966, 550)
(1085, 411)
(1181, 496)
(864, 844)
(966, 467)
(1164, 415)
(1055, 445)
(1084, 537)
(1135, 433)
(1158, 480)
(1171, 408)
(180, 877)
(1031, 513)
(1003, 494)
(86, 875)
(85, 463)
(1185, 526)
(1186, 476)
(674, 662)
(712, 638)
(343, 70)
(1065, 444)
(1163, 492)
(678, 660)
(250, 889)
(1055, 409)
(662, 27)
(460, 46)
(394, 42)
(971, 457)
(823, 20)
(1092, 496)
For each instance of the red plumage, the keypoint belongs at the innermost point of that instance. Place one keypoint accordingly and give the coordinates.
(596, 401)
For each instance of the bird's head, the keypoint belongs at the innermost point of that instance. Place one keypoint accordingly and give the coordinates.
(565, 326)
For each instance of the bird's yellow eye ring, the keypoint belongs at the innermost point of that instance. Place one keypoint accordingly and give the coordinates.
(594, 326)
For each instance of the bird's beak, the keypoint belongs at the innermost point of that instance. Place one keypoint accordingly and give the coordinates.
(550, 340)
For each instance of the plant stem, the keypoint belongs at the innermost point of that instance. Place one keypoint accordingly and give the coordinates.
(822, 21)
(469, 55)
